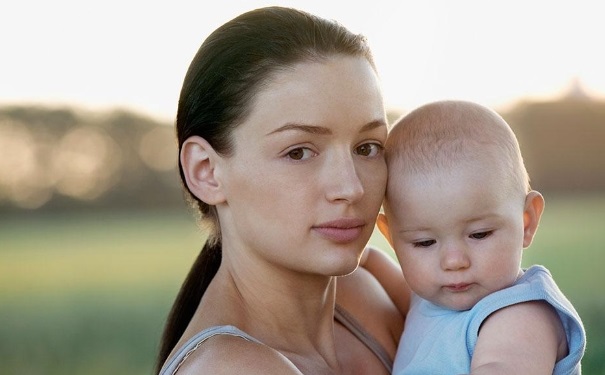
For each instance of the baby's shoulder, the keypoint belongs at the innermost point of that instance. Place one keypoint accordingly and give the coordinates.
(534, 322)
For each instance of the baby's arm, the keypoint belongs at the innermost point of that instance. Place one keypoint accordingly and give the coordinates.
(389, 275)
(526, 338)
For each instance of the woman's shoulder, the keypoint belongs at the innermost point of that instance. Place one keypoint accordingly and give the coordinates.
(364, 297)
(229, 354)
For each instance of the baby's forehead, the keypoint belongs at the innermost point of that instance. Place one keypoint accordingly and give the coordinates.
(428, 154)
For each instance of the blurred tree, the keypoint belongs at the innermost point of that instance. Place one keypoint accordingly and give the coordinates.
(53, 159)
(66, 158)
(563, 143)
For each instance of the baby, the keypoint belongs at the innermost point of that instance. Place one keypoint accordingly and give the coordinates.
(459, 212)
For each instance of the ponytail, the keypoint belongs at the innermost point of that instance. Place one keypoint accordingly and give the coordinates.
(201, 274)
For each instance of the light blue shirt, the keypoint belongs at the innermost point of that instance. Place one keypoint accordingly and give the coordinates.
(437, 340)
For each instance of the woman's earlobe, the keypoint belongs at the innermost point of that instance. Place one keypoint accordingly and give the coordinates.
(198, 161)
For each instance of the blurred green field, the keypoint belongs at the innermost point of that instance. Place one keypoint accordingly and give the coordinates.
(87, 293)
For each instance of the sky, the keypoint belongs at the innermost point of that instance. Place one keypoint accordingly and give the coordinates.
(134, 54)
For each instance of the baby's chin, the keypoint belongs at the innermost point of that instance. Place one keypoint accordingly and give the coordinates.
(460, 303)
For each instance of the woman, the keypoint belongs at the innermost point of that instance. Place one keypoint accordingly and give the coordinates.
(281, 127)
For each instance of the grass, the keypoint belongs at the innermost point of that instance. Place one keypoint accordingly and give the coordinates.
(60, 254)
(87, 293)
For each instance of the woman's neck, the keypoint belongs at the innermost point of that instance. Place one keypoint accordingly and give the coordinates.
(288, 311)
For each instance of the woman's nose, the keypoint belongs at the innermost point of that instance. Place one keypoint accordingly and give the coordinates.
(343, 180)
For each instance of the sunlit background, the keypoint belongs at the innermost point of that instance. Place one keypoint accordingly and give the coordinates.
(135, 53)
(95, 237)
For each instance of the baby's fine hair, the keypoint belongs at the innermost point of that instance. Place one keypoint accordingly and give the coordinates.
(441, 134)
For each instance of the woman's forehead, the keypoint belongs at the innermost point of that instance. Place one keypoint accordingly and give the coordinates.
(320, 92)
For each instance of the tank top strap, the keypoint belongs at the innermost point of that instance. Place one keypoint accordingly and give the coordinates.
(172, 366)
(340, 315)
(353, 325)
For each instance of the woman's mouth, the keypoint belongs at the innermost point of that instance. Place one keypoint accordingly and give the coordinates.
(341, 230)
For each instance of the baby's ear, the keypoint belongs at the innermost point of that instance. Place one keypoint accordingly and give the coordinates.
(199, 163)
(534, 206)
(383, 227)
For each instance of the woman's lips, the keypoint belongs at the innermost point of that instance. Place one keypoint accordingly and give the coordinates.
(341, 230)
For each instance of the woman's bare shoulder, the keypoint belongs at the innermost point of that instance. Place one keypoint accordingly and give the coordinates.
(224, 354)
(362, 286)
(363, 296)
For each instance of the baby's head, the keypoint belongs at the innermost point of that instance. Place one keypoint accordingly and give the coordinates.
(441, 135)
(458, 209)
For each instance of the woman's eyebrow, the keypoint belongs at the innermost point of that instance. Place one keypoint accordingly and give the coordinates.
(373, 125)
(314, 129)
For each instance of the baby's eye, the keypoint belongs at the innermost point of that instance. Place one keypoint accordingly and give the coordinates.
(425, 243)
(481, 235)
(368, 149)
(301, 153)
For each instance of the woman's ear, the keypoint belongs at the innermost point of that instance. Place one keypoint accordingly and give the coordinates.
(199, 162)
(534, 206)
(383, 227)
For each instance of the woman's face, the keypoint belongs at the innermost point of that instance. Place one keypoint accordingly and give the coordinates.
(308, 175)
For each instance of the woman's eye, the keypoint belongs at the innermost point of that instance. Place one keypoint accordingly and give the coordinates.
(368, 149)
(300, 153)
(481, 235)
(425, 243)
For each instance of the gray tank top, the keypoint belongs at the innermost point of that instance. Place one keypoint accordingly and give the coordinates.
(340, 315)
